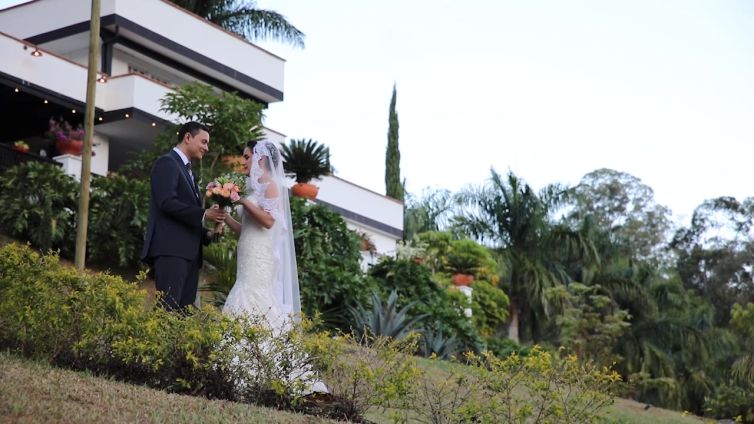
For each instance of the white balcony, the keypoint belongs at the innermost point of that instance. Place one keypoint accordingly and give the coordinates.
(159, 26)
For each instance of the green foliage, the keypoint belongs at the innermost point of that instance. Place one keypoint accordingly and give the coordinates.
(39, 204)
(502, 348)
(308, 159)
(221, 257)
(393, 186)
(118, 213)
(542, 388)
(517, 221)
(328, 259)
(246, 20)
(99, 322)
(46, 217)
(366, 372)
(384, 318)
(489, 306)
(436, 344)
(444, 308)
(469, 257)
(436, 247)
(430, 212)
(232, 121)
(732, 401)
(591, 324)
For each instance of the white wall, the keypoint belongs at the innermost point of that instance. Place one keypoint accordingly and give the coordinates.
(360, 200)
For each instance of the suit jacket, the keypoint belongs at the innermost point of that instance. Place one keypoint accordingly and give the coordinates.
(175, 225)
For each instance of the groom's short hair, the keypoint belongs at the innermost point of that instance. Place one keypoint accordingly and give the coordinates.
(192, 127)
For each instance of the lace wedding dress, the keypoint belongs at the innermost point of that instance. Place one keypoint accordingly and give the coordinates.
(254, 290)
(266, 275)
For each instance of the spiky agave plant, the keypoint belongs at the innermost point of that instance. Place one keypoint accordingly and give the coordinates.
(384, 318)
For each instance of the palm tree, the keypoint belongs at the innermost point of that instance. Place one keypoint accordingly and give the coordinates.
(244, 19)
(516, 221)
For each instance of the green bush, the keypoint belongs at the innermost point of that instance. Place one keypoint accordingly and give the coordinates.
(39, 204)
(489, 306)
(328, 259)
(118, 213)
(46, 216)
(444, 308)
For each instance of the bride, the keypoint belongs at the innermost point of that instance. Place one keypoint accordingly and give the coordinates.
(266, 276)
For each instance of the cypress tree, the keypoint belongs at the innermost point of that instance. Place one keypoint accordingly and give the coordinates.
(393, 185)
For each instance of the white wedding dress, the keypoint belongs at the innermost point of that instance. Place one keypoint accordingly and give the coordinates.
(254, 290)
(266, 277)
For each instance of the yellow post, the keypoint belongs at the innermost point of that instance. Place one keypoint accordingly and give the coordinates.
(86, 155)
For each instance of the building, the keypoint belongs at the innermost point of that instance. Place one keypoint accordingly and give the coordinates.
(148, 47)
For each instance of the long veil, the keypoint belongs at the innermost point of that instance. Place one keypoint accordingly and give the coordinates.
(285, 282)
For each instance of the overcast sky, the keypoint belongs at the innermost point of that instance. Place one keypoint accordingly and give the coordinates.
(661, 89)
(551, 89)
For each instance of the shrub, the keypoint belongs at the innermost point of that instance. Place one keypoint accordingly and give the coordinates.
(542, 387)
(489, 306)
(328, 259)
(444, 308)
(39, 204)
(118, 213)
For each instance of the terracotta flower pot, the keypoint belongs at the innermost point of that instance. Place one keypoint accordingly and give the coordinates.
(69, 147)
(462, 279)
(306, 190)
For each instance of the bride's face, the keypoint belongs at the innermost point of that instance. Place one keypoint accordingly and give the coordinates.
(246, 160)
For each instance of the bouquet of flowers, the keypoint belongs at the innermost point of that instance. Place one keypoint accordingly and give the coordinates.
(224, 192)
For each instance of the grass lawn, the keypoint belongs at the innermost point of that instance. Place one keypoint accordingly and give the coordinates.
(33, 392)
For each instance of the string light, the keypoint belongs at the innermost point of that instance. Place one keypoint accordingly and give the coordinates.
(102, 79)
(46, 101)
(154, 124)
(100, 118)
(128, 116)
(73, 110)
(16, 90)
(36, 52)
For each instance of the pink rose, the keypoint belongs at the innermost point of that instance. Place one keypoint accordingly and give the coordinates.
(212, 185)
(228, 186)
(234, 197)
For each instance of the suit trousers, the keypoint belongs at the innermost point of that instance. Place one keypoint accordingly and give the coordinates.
(177, 279)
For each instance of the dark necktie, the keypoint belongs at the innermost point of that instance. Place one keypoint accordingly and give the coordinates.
(193, 181)
(188, 168)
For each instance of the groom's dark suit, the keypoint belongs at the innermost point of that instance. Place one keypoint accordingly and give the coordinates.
(175, 234)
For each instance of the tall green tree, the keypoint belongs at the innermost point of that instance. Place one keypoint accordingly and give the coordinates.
(624, 208)
(245, 19)
(715, 253)
(393, 185)
(517, 222)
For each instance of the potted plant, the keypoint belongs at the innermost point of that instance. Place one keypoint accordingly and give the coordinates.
(21, 146)
(68, 140)
(308, 160)
(465, 258)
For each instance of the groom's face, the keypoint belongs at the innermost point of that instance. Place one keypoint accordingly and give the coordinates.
(197, 145)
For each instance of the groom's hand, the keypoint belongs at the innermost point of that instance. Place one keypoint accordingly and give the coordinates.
(216, 214)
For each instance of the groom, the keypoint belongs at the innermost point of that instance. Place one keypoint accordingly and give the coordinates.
(175, 231)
